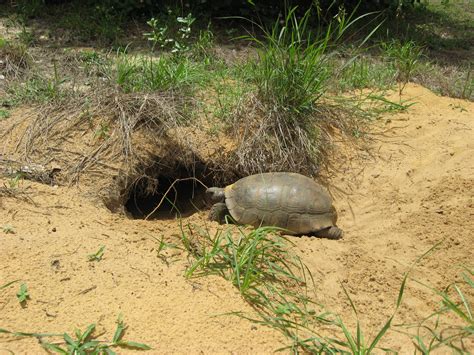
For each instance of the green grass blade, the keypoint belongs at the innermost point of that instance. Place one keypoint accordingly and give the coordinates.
(90, 345)
(8, 284)
(118, 332)
(70, 340)
(349, 338)
(350, 300)
(26, 334)
(87, 332)
(53, 347)
(465, 302)
(468, 280)
(401, 291)
(134, 345)
(380, 335)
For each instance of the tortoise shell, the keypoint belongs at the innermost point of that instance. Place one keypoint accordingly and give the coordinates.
(286, 200)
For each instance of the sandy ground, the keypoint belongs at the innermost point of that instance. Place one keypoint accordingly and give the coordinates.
(415, 189)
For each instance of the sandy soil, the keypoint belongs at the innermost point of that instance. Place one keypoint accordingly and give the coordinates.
(416, 188)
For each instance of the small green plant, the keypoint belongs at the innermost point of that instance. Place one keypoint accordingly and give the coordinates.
(29, 8)
(434, 332)
(88, 56)
(91, 21)
(97, 256)
(15, 180)
(8, 229)
(94, 63)
(103, 132)
(405, 57)
(180, 45)
(23, 294)
(160, 36)
(162, 245)
(202, 49)
(15, 57)
(84, 342)
(4, 114)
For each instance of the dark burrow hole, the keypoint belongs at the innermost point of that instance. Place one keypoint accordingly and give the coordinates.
(181, 195)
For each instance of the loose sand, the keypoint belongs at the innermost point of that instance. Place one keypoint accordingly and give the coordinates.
(416, 188)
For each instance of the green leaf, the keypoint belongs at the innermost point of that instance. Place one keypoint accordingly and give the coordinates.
(23, 294)
(88, 332)
(380, 335)
(402, 290)
(89, 345)
(349, 337)
(53, 347)
(465, 302)
(468, 280)
(109, 351)
(135, 345)
(97, 256)
(350, 300)
(119, 331)
(70, 340)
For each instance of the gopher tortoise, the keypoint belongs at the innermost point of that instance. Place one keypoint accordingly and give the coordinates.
(286, 200)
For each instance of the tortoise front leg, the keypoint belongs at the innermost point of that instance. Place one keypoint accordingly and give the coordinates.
(218, 212)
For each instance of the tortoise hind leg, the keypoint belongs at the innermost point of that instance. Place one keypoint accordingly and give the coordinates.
(330, 233)
(218, 212)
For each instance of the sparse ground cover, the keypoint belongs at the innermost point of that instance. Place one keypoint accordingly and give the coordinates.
(129, 116)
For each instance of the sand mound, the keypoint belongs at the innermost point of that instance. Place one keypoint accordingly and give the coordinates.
(414, 190)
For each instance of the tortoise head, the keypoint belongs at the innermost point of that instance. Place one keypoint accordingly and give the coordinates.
(215, 195)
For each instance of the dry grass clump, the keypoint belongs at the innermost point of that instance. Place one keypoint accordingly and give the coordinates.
(278, 141)
(14, 58)
(108, 132)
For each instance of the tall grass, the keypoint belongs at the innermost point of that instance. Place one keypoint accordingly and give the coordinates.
(293, 65)
(405, 57)
(286, 125)
(292, 69)
(138, 74)
(364, 72)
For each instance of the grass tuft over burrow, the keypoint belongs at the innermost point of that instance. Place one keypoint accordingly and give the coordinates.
(286, 121)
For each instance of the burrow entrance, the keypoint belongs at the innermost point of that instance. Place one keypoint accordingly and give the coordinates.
(168, 193)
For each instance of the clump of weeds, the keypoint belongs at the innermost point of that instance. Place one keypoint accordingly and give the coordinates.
(84, 342)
